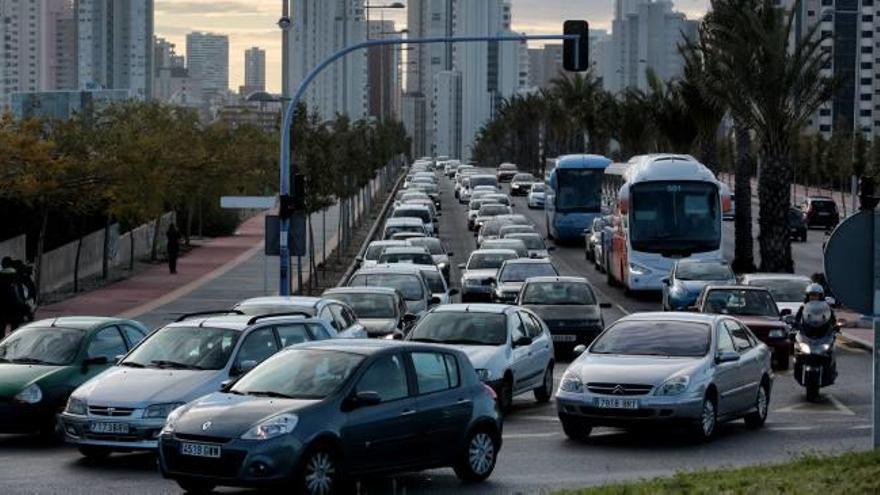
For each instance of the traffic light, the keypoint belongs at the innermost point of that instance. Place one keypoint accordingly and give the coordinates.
(867, 199)
(576, 52)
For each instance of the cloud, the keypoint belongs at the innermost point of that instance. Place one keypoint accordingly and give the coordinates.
(219, 7)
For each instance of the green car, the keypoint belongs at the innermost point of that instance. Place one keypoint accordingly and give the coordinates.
(43, 362)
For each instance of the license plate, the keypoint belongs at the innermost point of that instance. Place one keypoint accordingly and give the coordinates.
(564, 338)
(200, 450)
(109, 428)
(616, 403)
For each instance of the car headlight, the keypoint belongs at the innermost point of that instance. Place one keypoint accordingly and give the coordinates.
(484, 374)
(171, 420)
(76, 406)
(161, 411)
(803, 347)
(638, 269)
(272, 427)
(776, 333)
(571, 383)
(30, 395)
(674, 386)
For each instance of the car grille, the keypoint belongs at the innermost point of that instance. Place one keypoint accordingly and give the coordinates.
(201, 438)
(117, 412)
(618, 388)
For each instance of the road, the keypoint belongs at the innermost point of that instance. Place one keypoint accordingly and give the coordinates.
(536, 456)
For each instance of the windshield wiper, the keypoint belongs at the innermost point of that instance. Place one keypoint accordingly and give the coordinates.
(131, 364)
(162, 363)
(268, 393)
(29, 360)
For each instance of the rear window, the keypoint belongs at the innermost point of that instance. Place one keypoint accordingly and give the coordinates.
(492, 210)
(823, 205)
(423, 214)
(409, 285)
(483, 180)
(654, 338)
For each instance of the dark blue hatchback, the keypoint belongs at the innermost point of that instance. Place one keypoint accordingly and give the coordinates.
(318, 415)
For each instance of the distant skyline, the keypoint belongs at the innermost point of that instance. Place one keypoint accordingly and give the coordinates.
(250, 23)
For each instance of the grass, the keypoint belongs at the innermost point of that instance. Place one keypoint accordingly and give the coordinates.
(850, 474)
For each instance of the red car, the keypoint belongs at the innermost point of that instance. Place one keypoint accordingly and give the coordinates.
(755, 307)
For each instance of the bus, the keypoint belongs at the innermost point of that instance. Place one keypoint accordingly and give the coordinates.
(664, 208)
(572, 199)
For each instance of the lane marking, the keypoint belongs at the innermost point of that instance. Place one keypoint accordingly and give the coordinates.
(812, 408)
(790, 428)
(862, 427)
(523, 436)
(553, 419)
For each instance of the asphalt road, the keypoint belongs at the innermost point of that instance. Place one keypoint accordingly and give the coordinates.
(536, 456)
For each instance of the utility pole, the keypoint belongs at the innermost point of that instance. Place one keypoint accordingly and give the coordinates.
(284, 211)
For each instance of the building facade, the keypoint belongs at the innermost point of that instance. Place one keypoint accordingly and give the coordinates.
(63, 104)
(254, 71)
(383, 72)
(58, 47)
(446, 119)
(20, 49)
(207, 57)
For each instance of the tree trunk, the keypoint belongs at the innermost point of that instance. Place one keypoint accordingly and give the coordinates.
(157, 230)
(79, 244)
(189, 222)
(41, 244)
(775, 239)
(744, 246)
(105, 256)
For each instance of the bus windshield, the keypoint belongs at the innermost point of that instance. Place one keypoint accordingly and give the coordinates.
(578, 190)
(681, 218)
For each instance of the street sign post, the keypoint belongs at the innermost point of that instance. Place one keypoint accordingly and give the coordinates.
(296, 236)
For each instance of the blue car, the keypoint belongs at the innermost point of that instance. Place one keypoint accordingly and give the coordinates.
(688, 278)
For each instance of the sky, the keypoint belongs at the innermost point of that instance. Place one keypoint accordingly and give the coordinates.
(251, 23)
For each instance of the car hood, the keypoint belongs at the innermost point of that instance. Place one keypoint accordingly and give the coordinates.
(480, 274)
(642, 370)
(566, 312)
(15, 377)
(232, 415)
(379, 326)
(132, 387)
(792, 306)
(483, 356)
(757, 324)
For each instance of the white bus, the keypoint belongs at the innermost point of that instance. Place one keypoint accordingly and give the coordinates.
(665, 207)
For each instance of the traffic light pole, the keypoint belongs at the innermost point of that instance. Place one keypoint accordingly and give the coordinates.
(290, 111)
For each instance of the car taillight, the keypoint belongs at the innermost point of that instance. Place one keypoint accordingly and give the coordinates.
(491, 392)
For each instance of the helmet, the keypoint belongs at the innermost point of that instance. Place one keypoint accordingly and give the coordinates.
(816, 314)
(815, 289)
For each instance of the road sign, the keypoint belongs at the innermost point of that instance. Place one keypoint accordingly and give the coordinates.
(248, 202)
(849, 262)
(297, 238)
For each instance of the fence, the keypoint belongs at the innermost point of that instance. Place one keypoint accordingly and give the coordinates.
(15, 248)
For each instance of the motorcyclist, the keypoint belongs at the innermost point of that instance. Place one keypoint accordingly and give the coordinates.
(815, 298)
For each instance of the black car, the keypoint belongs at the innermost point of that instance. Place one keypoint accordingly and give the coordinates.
(820, 211)
(797, 226)
(320, 415)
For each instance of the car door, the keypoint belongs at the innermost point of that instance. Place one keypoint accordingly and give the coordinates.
(750, 364)
(385, 435)
(727, 375)
(541, 349)
(106, 344)
(444, 407)
(520, 359)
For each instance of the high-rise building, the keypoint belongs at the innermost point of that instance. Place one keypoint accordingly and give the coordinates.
(173, 83)
(383, 72)
(447, 113)
(58, 46)
(20, 46)
(319, 29)
(115, 45)
(545, 65)
(207, 57)
(254, 71)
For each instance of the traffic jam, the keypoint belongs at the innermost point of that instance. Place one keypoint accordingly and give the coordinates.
(417, 360)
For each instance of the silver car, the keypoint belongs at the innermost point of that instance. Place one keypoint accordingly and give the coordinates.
(693, 369)
(338, 314)
(124, 408)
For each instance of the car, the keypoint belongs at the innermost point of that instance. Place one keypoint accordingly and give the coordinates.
(381, 310)
(509, 346)
(124, 408)
(427, 203)
(492, 228)
(688, 369)
(316, 415)
(478, 272)
(788, 290)
(797, 225)
(437, 284)
(521, 183)
(42, 362)
(820, 211)
(755, 307)
(514, 273)
(593, 239)
(442, 258)
(488, 212)
(515, 244)
(408, 279)
(536, 195)
(568, 306)
(421, 212)
(534, 243)
(431, 190)
(399, 225)
(688, 278)
(410, 195)
(478, 180)
(375, 249)
(461, 180)
(338, 315)
(406, 255)
(499, 198)
(506, 172)
(450, 168)
(474, 208)
(506, 230)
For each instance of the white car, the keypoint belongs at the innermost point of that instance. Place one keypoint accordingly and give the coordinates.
(510, 347)
(375, 250)
(536, 195)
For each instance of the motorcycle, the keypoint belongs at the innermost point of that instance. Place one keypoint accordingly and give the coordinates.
(814, 364)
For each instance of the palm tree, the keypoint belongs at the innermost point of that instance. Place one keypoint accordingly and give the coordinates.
(634, 131)
(676, 129)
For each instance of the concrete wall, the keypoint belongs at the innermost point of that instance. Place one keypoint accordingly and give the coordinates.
(15, 248)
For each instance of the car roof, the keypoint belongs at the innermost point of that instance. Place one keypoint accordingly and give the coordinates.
(369, 347)
(774, 276)
(76, 322)
(494, 251)
(397, 268)
(404, 221)
(691, 261)
(674, 316)
(362, 290)
(388, 242)
(412, 206)
(474, 308)
(529, 261)
(559, 279)
(235, 322)
(405, 250)
(307, 301)
(519, 235)
(819, 198)
(424, 240)
(735, 287)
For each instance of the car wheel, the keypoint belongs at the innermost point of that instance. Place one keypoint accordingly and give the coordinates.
(196, 486)
(505, 398)
(705, 428)
(576, 429)
(762, 406)
(478, 457)
(320, 473)
(95, 453)
(545, 391)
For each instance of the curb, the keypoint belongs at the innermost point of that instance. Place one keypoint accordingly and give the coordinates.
(857, 342)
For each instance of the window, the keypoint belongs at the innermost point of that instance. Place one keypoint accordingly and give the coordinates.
(326, 314)
(867, 34)
(725, 343)
(433, 372)
(866, 97)
(867, 49)
(107, 343)
(339, 315)
(257, 346)
(866, 81)
(533, 328)
(519, 328)
(865, 113)
(319, 331)
(740, 336)
(387, 378)
(293, 334)
(134, 335)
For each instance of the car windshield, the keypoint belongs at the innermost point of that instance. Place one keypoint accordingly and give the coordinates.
(435, 281)
(408, 285)
(484, 180)
(538, 188)
(558, 294)
(703, 271)
(524, 178)
(447, 327)
(515, 229)
(369, 305)
(492, 228)
(675, 217)
(784, 289)
(823, 205)
(374, 251)
(432, 244)
(512, 244)
(401, 229)
(488, 261)
(300, 374)
(200, 348)
(40, 345)
(519, 272)
(579, 190)
(412, 258)
(492, 210)
(426, 186)
(654, 338)
(420, 213)
(740, 303)
(535, 242)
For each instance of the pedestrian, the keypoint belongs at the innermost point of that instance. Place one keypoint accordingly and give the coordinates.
(11, 304)
(173, 247)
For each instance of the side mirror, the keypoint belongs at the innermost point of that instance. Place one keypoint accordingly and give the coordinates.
(664, 280)
(410, 318)
(694, 309)
(605, 305)
(490, 281)
(522, 341)
(434, 301)
(226, 385)
(727, 357)
(246, 366)
(453, 292)
(94, 361)
(117, 359)
(363, 399)
(359, 259)
(789, 318)
(579, 349)
(784, 312)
